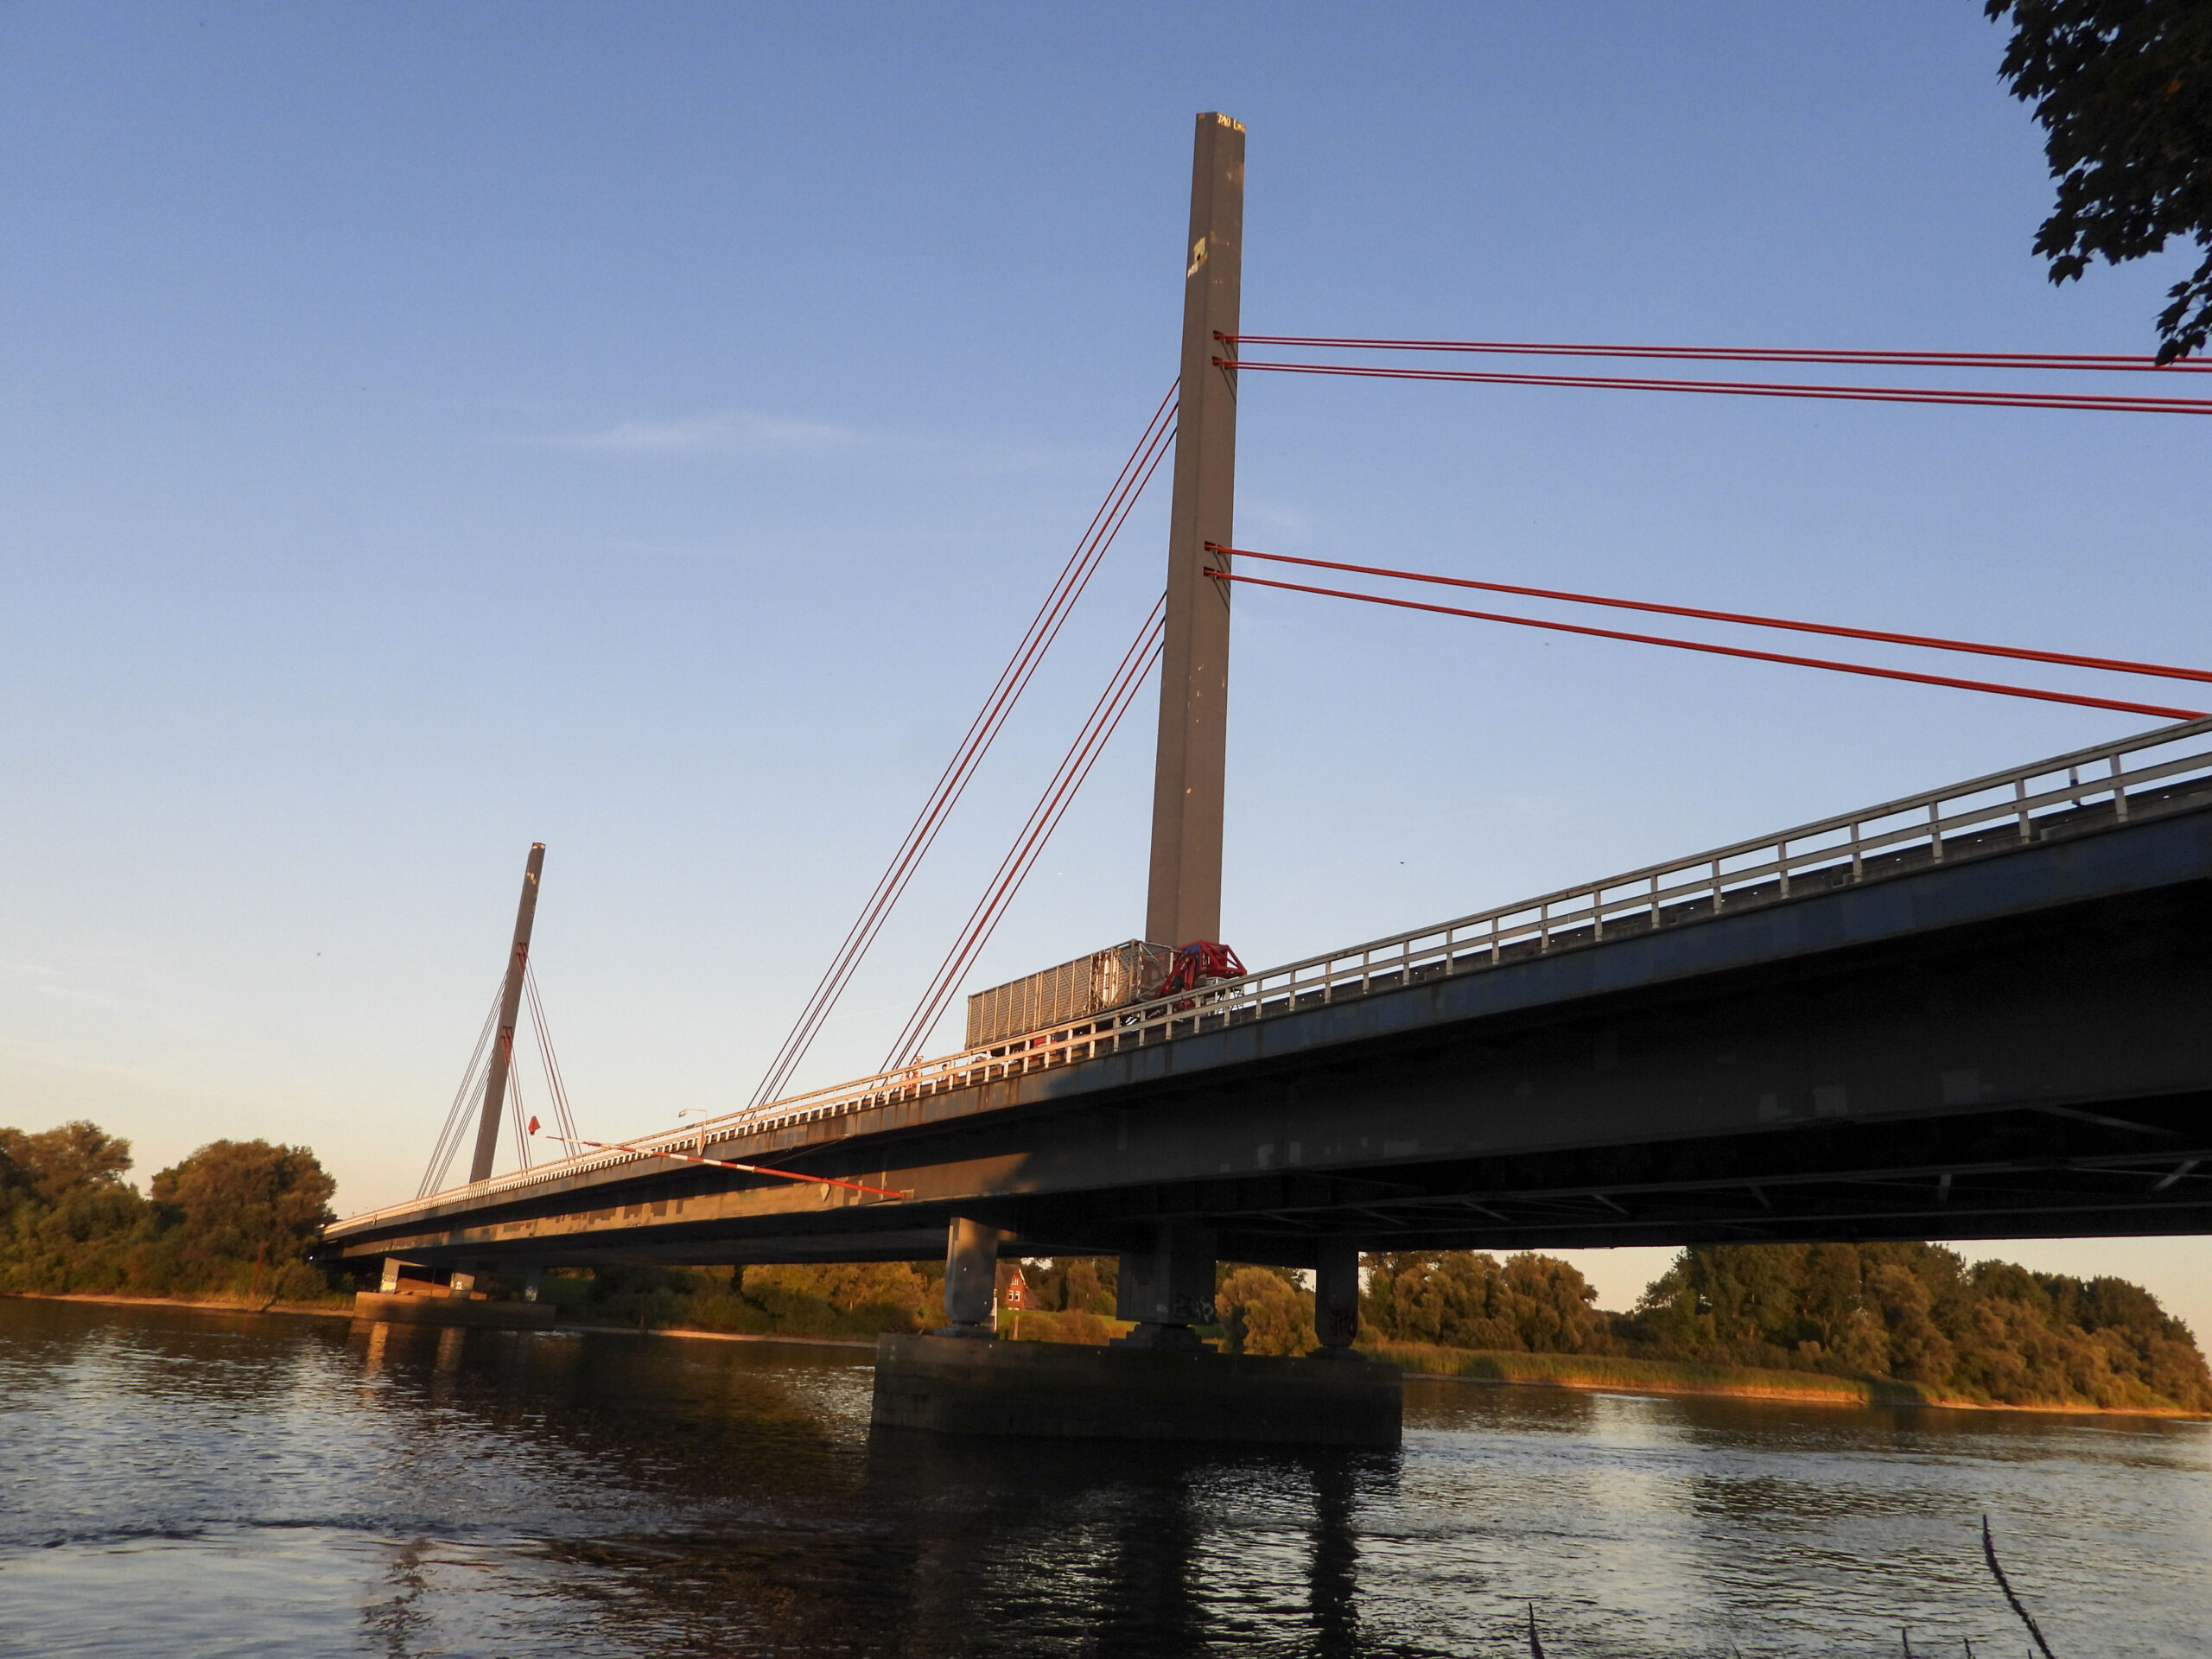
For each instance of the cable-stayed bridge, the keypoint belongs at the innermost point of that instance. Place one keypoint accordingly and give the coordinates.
(1977, 1012)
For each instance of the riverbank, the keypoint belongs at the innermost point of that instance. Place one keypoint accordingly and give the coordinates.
(322, 1308)
(1610, 1374)
(342, 1308)
(866, 1344)
(1619, 1374)
(1593, 1373)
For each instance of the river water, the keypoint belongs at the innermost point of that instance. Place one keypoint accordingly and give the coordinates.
(183, 1483)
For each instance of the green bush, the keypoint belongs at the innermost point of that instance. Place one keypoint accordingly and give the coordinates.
(832, 1299)
(236, 1217)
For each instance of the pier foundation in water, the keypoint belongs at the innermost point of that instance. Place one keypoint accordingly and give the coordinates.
(1158, 1383)
(382, 1308)
(967, 1385)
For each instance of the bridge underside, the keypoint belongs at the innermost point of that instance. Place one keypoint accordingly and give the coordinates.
(2011, 1045)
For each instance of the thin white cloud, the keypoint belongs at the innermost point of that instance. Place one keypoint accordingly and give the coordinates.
(47, 981)
(777, 437)
(741, 434)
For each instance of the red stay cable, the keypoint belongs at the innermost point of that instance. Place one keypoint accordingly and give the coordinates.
(950, 787)
(2127, 405)
(1097, 729)
(2113, 664)
(2099, 362)
(1729, 650)
(1030, 850)
(1136, 474)
(720, 1163)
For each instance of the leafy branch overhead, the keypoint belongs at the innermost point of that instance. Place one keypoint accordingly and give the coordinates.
(2124, 89)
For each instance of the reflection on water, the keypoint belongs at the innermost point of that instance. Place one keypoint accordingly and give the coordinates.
(186, 1482)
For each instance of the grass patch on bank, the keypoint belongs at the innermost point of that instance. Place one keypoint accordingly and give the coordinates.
(1073, 1325)
(1646, 1376)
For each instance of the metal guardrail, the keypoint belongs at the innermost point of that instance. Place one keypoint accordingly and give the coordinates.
(1983, 815)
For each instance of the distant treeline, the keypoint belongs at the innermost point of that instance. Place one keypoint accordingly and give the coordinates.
(236, 1219)
(1992, 1332)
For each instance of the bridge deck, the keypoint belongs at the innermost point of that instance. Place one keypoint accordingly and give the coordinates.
(1912, 1022)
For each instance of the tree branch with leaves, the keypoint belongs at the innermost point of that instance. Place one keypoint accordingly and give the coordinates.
(2124, 90)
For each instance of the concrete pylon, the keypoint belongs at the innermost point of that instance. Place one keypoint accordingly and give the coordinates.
(503, 1050)
(1183, 900)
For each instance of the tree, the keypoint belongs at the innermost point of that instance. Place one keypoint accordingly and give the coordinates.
(1265, 1312)
(2124, 90)
(240, 1201)
(55, 1163)
(68, 1217)
(1553, 1308)
(1466, 1298)
(1075, 1284)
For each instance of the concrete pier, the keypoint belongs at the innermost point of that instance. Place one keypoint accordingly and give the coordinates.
(956, 1385)
(452, 1309)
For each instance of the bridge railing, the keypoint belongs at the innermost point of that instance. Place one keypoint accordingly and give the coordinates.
(1983, 814)
(1980, 815)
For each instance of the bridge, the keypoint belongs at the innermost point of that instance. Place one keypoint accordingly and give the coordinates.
(1976, 1011)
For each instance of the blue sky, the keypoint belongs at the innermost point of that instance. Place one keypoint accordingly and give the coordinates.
(645, 429)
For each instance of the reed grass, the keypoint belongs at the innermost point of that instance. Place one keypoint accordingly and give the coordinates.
(1989, 1555)
(1070, 1325)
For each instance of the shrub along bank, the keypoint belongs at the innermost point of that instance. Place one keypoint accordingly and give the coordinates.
(232, 1221)
(860, 1298)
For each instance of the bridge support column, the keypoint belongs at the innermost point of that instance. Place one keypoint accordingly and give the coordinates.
(1336, 1296)
(532, 1283)
(1168, 1288)
(464, 1281)
(971, 1278)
